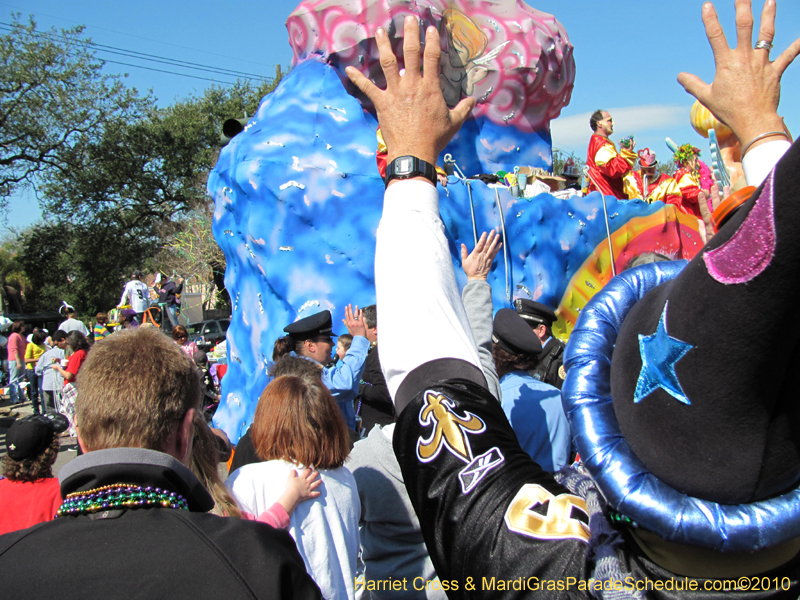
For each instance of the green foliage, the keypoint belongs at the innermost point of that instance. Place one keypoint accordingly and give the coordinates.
(667, 168)
(84, 265)
(14, 282)
(123, 183)
(560, 158)
(146, 174)
(133, 196)
(52, 95)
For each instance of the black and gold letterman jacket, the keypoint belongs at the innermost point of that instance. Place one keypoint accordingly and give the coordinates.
(498, 526)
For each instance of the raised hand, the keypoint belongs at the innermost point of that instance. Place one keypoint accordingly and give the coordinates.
(477, 264)
(746, 87)
(412, 112)
(353, 321)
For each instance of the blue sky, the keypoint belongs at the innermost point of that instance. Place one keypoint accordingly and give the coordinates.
(627, 52)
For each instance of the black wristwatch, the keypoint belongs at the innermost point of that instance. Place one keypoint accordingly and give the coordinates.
(405, 167)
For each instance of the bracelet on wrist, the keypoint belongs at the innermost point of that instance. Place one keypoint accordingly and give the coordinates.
(761, 137)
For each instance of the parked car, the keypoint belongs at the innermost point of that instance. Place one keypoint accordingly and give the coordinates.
(206, 334)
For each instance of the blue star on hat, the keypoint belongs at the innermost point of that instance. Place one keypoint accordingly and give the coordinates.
(659, 353)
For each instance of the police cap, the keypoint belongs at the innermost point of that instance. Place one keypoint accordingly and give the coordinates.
(535, 313)
(308, 328)
(513, 335)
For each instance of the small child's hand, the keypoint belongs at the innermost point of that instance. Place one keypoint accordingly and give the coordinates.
(304, 484)
(299, 487)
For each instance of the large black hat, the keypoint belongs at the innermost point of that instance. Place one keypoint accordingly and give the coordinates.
(513, 335)
(319, 324)
(535, 313)
(682, 380)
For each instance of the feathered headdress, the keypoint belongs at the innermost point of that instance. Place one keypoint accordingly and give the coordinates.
(684, 153)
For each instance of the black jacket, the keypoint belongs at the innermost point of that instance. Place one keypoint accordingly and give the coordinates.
(373, 395)
(149, 552)
(548, 369)
(168, 293)
(495, 522)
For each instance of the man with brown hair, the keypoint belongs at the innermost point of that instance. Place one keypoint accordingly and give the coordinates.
(133, 512)
(607, 167)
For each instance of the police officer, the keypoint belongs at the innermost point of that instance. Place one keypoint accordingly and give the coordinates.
(313, 340)
(541, 317)
(533, 407)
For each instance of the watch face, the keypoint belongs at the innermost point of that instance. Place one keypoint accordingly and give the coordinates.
(404, 165)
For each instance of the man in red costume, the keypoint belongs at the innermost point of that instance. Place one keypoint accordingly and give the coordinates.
(687, 179)
(607, 168)
(660, 187)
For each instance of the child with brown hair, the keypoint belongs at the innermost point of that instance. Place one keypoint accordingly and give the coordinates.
(343, 345)
(300, 486)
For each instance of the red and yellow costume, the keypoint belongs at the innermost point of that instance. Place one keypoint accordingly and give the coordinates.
(690, 188)
(607, 168)
(661, 189)
(380, 156)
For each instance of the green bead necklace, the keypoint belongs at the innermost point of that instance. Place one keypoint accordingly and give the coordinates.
(117, 496)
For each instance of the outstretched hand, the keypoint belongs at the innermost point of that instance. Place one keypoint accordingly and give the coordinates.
(716, 199)
(746, 88)
(353, 321)
(412, 112)
(477, 264)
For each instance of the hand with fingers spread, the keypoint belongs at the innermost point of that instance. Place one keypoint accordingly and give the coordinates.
(412, 112)
(478, 263)
(746, 87)
(353, 321)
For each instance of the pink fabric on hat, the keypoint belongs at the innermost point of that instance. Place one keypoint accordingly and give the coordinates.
(750, 250)
(647, 158)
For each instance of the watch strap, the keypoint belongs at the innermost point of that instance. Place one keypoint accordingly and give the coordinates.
(405, 167)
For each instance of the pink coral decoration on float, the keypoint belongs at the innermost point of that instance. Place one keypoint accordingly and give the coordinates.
(514, 60)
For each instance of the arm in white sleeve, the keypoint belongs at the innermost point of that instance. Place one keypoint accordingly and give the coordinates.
(477, 298)
(125, 292)
(40, 365)
(422, 317)
(760, 160)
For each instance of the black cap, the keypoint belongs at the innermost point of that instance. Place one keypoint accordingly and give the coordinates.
(316, 325)
(513, 335)
(30, 436)
(535, 313)
(200, 357)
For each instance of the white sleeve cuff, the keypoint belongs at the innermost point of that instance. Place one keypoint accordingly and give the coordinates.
(760, 160)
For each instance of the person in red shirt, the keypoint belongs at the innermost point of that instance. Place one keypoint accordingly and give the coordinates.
(607, 168)
(660, 187)
(29, 494)
(79, 345)
(688, 180)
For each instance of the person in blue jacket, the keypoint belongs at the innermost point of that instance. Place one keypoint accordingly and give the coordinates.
(313, 339)
(533, 407)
